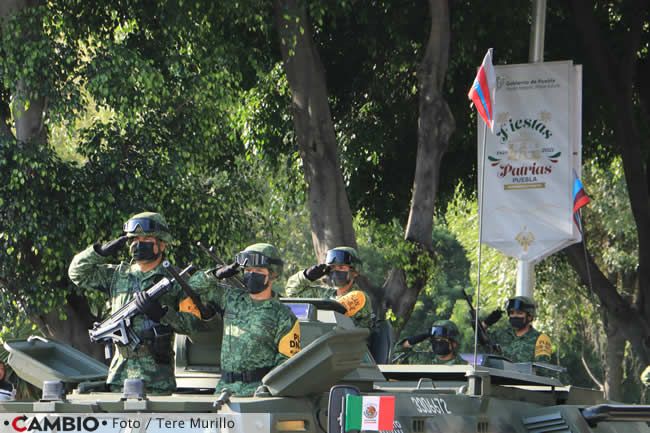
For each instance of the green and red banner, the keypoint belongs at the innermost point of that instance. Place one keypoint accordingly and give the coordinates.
(370, 413)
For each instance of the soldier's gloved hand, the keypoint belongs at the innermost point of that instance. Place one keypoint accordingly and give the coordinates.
(149, 307)
(315, 272)
(110, 248)
(415, 339)
(227, 271)
(493, 317)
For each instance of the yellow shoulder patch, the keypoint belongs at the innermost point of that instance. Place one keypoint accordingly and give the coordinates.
(289, 345)
(543, 346)
(353, 302)
(188, 306)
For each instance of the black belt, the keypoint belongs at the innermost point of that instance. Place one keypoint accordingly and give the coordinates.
(245, 376)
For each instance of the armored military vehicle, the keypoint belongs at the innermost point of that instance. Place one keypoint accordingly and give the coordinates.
(307, 393)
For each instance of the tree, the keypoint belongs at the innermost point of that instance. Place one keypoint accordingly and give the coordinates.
(331, 218)
(166, 142)
(617, 55)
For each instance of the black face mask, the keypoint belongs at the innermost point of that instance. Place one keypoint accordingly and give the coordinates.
(255, 282)
(143, 251)
(340, 278)
(518, 322)
(441, 347)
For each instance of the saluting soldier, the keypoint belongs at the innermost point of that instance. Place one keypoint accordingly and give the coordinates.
(521, 342)
(341, 268)
(444, 338)
(259, 331)
(148, 237)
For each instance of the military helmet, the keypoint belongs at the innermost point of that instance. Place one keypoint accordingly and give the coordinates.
(148, 224)
(261, 256)
(446, 329)
(521, 303)
(343, 256)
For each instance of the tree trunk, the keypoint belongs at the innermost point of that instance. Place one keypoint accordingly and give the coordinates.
(616, 75)
(435, 126)
(72, 328)
(331, 217)
(614, 354)
(29, 117)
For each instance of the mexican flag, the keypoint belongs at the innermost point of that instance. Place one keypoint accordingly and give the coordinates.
(371, 413)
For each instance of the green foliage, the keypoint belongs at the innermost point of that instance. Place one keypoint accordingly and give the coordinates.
(36, 60)
(498, 273)
(443, 291)
(168, 144)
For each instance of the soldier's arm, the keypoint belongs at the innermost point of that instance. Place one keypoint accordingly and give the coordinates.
(182, 322)
(543, 349)
(90, 270)
(209, 288)
(298, 286)
(287, 336)
(182, 315)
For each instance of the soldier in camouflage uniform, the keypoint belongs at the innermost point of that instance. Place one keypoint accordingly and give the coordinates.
(521, 342)
(259, 332)
(340, 269)
(443, 336)
(645, 376)
(148, 236)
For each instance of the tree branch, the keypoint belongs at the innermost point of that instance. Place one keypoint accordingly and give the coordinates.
(591, 375)
(632, 324)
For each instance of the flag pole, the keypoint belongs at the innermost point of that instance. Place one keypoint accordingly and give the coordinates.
(584, 248)
(480, 236)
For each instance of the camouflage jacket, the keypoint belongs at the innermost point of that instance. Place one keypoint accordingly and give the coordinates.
(89, 270)
(532, 346)
(645, 376)
(356, 301)
(413, 357)
(256, 334)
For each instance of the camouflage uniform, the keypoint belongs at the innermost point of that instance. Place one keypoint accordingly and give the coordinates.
(257, 334)
(91, 270)
(415, 357)
(645, 376)
(442, 331)
(356, 301)
(530, 347)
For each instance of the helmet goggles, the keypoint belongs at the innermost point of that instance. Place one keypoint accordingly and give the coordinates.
(441, 332)
(518, 305)
(339, 257)
(252, 259)
(146, 225)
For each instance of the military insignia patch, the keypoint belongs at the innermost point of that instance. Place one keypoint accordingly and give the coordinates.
(290, 344)
(543, 346)
(188, 306)
(353, 302)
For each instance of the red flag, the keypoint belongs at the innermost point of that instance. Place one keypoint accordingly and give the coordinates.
(483, 89)
(580, 198)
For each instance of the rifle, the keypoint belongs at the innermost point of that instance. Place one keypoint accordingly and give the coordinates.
(483, 336)
(118, 327)
(210, 252)
(205, 310)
